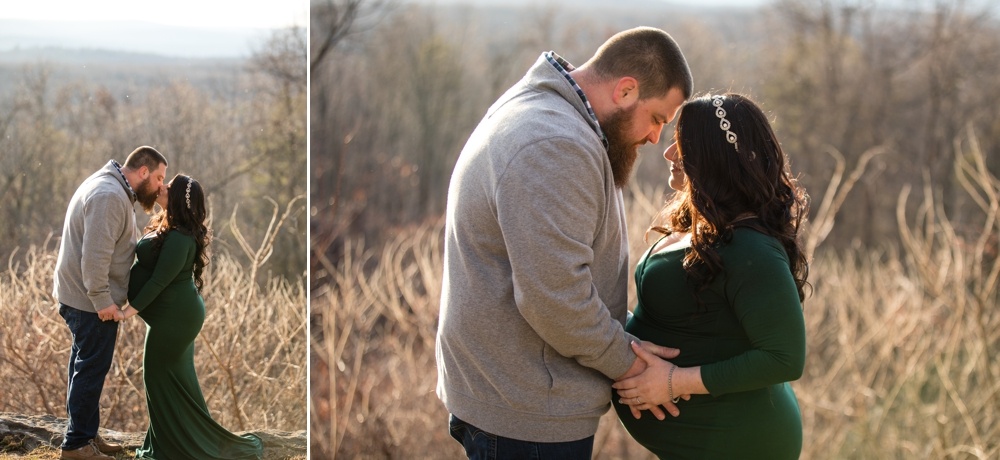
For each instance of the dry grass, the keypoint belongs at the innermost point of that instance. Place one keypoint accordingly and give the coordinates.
(373, 341)
(53, 453)
(902, 341)
(250, 355)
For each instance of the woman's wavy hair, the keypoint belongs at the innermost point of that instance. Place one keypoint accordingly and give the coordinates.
(187, 220)
(726, 180)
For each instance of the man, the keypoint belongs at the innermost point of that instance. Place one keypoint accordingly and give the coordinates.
(535, 287)
(91, 284)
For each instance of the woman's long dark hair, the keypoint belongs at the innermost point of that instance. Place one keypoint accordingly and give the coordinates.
(186, 218)
(725, 181)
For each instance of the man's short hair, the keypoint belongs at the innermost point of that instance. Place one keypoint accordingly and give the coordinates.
(145, 156)
(649, 55)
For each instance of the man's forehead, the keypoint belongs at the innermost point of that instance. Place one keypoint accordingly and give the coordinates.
(661, 109)
(668, 104)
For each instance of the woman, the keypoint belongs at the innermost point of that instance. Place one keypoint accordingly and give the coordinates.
(724, 284)
(164, 291)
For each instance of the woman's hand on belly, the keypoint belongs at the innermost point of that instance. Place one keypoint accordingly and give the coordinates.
(661, 384)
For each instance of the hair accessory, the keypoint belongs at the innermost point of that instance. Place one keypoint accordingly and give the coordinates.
(187, 193)
(724, 124)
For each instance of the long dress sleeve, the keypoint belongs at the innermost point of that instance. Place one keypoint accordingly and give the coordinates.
(765, 301)
(175, 253)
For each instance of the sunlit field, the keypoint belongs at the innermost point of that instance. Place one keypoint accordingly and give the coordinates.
(250, 355)
(902, 338)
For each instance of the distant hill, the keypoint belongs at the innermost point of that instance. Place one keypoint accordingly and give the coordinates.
(134, 37)
(94, 56)
(118, 71)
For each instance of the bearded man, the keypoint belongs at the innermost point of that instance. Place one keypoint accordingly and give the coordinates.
(91, 284)
(535, 289)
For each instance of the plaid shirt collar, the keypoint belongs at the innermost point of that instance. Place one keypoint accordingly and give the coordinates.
(128, 186)
(564, 67)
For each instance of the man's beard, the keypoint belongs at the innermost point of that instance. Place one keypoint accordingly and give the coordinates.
(621, 152)
(146, 195)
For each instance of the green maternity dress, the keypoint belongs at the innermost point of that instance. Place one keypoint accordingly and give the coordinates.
(749, 338)
(180, 425)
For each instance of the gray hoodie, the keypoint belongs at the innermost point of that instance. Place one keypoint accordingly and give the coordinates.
(98, 243)
(535, 289)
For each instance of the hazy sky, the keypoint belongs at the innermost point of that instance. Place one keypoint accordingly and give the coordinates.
(189, 13)
(718, 2)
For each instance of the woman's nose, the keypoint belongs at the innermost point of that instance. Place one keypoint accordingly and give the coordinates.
(670, 154)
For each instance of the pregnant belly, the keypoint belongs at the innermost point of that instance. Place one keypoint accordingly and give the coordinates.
(184, 311)
(736, 425)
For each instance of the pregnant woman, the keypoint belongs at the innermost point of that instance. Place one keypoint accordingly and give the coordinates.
(164, 291)
(724, 284)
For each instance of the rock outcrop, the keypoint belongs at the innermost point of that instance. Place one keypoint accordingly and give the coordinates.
(20, 434)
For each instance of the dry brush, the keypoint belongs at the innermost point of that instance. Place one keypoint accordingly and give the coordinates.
(900, 339)
(250, 355)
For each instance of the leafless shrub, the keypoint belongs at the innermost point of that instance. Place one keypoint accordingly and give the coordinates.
(250, 355)
(901, 340)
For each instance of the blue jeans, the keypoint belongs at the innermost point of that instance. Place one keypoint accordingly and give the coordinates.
(480, 445)
(89, 362)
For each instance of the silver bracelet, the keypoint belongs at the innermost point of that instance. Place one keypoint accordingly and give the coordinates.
(670, 385)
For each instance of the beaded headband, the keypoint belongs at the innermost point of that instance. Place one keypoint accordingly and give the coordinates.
(724, 124)
(187, 193)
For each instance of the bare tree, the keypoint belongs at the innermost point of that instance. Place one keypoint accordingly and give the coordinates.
(333, 20)
(332, 131)
(854, 75)
(58, 129)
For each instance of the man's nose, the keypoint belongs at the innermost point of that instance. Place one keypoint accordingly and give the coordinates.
(654, 135)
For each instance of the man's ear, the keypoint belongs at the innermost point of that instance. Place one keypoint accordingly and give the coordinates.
(626, 92)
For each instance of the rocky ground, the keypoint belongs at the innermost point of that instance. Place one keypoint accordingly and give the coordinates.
(38, 437)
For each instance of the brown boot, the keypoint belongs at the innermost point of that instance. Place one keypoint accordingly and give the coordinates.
(106, 447)
(87, 452)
